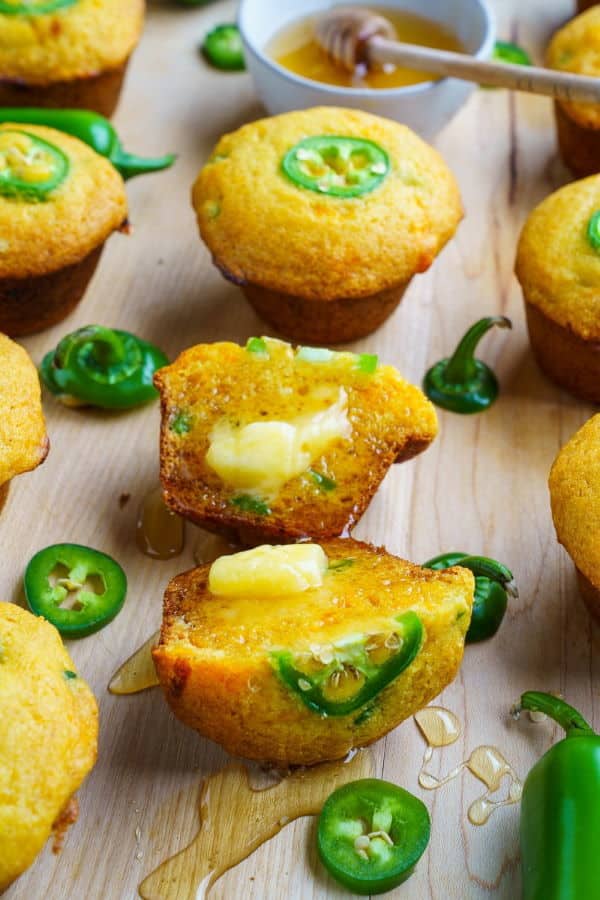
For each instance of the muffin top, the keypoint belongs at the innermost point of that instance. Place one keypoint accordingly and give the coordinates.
(72, 39)
(558, 263)
(59, 200)
(23, 441)
(325, 203)
(576, 48)
(48, 735)
(575, 498)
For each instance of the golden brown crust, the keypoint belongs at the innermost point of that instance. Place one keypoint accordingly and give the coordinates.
(574, 484)
(97, 92)
(579, 145)
(213, 659)
(263, 229)
(568, 360)
(313, 321)
(23, 440)
(29, 305)
(391, 421)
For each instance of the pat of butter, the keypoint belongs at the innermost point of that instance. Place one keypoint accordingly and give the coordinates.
(268, 571)
(262, 456)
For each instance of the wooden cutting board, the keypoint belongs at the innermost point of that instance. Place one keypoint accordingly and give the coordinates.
(481, 487)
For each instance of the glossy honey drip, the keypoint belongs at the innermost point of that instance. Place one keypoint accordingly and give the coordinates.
(235, 819)
(160, 533)
(295, 48)
(440, 727)
(138, 672)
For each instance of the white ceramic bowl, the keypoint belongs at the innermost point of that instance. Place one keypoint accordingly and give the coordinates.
(425, 107)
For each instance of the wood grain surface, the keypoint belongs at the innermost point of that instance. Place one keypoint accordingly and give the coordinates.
(481, 487)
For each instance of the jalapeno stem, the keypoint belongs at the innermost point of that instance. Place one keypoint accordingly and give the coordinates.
(462, 365)
(130, 165)
(108, 348)
(557, 709)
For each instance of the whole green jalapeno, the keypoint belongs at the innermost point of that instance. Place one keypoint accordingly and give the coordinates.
(463, 384)
(33, 7)
(560, 809)
(94, 130)
(98, 366)
(347, 675)
(493, 583)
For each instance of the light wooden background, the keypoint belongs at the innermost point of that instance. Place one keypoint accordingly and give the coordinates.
(481, 487)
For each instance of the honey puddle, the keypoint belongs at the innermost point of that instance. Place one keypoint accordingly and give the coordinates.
(440, 727)
(138, 672)
(235, 819)
(159, 533)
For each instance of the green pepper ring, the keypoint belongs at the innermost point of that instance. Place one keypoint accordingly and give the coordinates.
(35, 8)
(593, 230)
(400, 821)
(15, 187)
(96, 610)
(223, 48)
(320, 147)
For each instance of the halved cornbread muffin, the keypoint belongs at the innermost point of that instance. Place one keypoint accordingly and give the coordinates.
(23, 440)
(575, 498)
(59, 202)
(558, 266)
(269, 442)
(66, 53)
(48, 738)
(323, 216)
(297, 653)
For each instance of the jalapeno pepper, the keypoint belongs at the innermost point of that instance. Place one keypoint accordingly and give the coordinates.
(337, 166)
(560, 810)
(493, 582)
(96, 582)
(348, 674)
(33, 7)
(505, 51)
(593, 230)
(223, 48)
(462, 383)
(371, 834)
(97, 366)
(94, 130)
(30, 167)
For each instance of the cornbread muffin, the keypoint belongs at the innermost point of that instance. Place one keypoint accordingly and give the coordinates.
(48, 738)
(59, 202)
(575, 48)
(575, 498)
(67, 53)
(269, 442)
(323, 216)
(558, 265)
(298, 653)
(23, 440)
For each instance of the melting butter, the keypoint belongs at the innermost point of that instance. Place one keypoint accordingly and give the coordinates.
(268, 571)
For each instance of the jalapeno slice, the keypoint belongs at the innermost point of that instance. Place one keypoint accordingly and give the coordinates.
(371, 834)
(493, 582)
(33, 7)
(92, 583)
(593, 230)
(340, 678)
(507, 52)
(30, 167)
(98, 366)
(337, 166)
(223, 48)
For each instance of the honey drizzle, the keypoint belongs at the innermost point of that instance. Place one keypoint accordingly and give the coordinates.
(236, 819)
(159, 533)
(440, 727)
(138, 672)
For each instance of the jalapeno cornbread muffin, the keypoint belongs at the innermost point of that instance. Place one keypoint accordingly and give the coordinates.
(59, 202)
(66, 53)
(269, 442)
(297, 653)
(23, 440)
(575, 499)
(323, 216)
(558, 265)
(48, 737)
(575, 49)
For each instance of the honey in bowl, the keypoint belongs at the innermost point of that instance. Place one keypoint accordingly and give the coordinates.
(294, 47)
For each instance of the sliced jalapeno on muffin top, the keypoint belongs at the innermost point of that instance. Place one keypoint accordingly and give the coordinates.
(593, 230)
(337, 166)
(340, 678)
(33, 7)
(30, 167)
